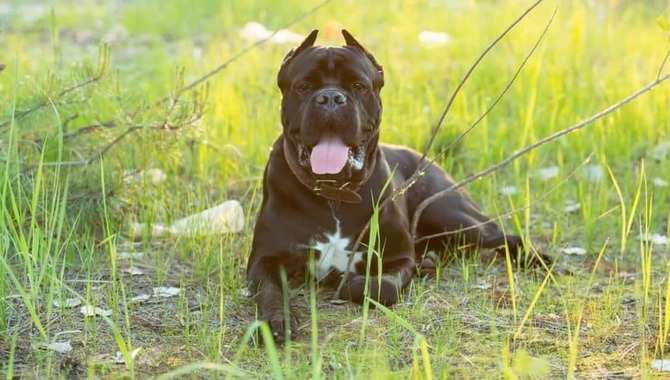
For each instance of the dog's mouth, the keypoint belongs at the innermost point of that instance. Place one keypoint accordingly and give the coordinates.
(330, 156)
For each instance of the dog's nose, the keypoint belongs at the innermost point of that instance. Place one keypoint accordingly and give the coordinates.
(331, 99)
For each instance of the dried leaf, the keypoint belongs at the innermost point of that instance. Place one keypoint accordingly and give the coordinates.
(572, 206)
(661, 365)
(654, 238)
(59, 347)
(595, 173)
(90, 311)
(430, 39)
(255, 31)
(508, 190)
(357, 323)
(129, 255)
(548, 172)
(482, 285)
(134, 271)
(68, 303)
(154, 176)
(166, 292)
(244, 292)
(577, 251)
(119, 359)
(140, 298)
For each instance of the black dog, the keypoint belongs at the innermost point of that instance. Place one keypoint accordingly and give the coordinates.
(324, 175)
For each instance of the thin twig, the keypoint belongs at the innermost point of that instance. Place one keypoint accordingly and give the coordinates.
(422, 206)
(515, 211)
(103, 65)
(20, 115)
(202, 79)
(101, 152)
(502, 93)
(419, 171)
(665, 61)
(172, 98)
(465, 78)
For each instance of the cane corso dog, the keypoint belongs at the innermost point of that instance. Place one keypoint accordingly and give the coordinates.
(327, 171)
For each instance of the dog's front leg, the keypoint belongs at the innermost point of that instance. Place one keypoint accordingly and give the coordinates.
(397, 262)
(384, 289)
(270, 300)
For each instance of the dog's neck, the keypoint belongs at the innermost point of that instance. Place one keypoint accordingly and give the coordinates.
(331, 189)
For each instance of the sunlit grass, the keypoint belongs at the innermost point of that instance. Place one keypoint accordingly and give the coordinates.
(62, 229)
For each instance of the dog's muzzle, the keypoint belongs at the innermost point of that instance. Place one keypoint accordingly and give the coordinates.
(330, 100)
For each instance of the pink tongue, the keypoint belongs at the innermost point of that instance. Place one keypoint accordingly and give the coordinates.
(329, 156)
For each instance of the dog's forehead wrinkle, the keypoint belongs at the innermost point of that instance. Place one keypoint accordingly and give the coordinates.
(336, 60)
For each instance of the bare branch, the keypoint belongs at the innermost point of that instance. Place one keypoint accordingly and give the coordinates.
(165, 125)
(202, 79)
(502, 93)
(513, 212)
(467, 75)
(179, 90)
(246, 50)
(422, 206)
(419, 170)
(662, 67)
(89, 128)
(103, 65)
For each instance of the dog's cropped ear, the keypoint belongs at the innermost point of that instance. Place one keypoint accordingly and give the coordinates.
(309, 41)
(351, 41)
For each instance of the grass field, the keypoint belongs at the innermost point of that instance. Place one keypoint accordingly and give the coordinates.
(81, 121)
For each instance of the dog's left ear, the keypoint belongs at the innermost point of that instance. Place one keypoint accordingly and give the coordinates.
(351, 41)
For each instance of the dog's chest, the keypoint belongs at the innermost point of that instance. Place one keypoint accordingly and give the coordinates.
(333, 253)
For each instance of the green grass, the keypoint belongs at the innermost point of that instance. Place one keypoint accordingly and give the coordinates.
(63, 229)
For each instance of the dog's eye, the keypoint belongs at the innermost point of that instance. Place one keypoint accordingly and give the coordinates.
(358, 86)
(304, 86)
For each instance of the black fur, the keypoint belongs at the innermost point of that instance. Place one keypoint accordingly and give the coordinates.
(296, 213)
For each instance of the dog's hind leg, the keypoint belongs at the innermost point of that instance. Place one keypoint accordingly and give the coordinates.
(460, 222)
(454, 220)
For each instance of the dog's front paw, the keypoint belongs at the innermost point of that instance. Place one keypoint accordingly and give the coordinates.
(384, 291)
(282, 326)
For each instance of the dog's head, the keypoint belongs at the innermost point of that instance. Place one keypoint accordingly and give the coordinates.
(331, 109)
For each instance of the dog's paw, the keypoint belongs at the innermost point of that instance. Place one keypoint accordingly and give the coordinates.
(280, 329)
(429, 265)
(523, 257)
(384, 291)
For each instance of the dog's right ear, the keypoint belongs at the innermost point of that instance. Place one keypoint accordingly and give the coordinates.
(308, 42)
